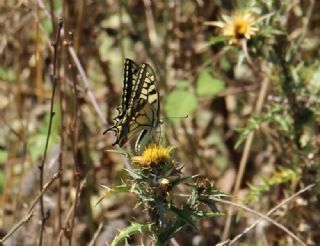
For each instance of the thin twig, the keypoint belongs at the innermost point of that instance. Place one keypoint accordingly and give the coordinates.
(150, 23)
(87, 85)
(121, 31)
(31, 209)
(96, 234)
(306, 20)
(152, 55)
(54, 85)
(245, 157)
(81, 72)
(230, 242)
(17, 226)
(74, 132)
(62, 130)
(262, 216)
(61, 133)
(69, 214)
(43, 7)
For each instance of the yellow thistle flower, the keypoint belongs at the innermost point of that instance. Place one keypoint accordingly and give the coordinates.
(152, 154)
(241, 25)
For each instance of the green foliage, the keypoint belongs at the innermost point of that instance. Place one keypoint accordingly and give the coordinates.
(154, 185)
(207, 85)
(314, 84)
(254, 51)
(47, 26)
(3, 156)
(36, 145)
(180, 103)
(37, 141)
(130, 230)
(274, 115)
(7, 74)
(284, 175)
(217, 39)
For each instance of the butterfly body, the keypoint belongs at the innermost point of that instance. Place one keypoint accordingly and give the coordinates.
(139, 109)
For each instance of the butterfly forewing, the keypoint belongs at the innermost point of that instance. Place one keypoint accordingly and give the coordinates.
(129, 81)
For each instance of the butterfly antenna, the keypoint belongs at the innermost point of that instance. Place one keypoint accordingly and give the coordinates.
(173, 117)
(176, 117)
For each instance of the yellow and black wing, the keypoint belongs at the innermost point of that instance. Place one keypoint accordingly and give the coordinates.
(129, 80)
(139, 110)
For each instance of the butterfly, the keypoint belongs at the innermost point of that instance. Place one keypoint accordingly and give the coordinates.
(139, 109)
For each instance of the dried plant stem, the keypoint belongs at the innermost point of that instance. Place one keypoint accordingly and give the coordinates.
(81, 6)
(87, 85)
(121, 30)
(75, 131)
(41, 166)
(150, 23)
(244, 158)
(61, 156)
(96, 234)
(230, 242)
(38, 54)
(81, 72)
(70, 212)
(62, 141)
(146, 44)
(31, 209)
(62, 130)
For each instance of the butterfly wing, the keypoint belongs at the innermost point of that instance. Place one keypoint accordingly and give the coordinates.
(139, 110)
(146, 98)
(129, 80)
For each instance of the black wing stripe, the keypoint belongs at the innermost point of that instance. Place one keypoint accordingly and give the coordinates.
(130, 70)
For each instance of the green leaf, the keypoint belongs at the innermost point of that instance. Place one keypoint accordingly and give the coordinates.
(3, 156)
(217, 39)
(183, 85)
(47, 25)
(170, 231)
(56, 121)
(120, 189)
(207, 85)
(179, 104)
(185, 215)
(36, 146)
(135, 174)
(7, 74)
(224, 64)
(130, 230)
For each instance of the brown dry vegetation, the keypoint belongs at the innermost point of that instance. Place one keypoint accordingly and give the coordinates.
(262, 94)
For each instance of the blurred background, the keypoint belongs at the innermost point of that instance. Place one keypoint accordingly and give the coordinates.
(250, 94)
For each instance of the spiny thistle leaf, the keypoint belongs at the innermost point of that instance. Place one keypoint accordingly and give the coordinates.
(185, 215)
(130, 230)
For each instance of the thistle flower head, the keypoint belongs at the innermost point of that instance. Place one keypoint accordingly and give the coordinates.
(153, 154)
(240, 25)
